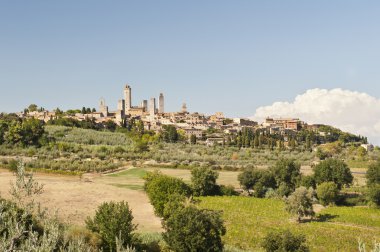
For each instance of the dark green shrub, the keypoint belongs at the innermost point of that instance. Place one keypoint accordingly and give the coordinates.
(327, 193)
(308, 181)
(113, 220)
(159, 187)
(258, 180)
(284, 241)
(191, 229)
(374, 194)
(228, 190)
(203, 181)
(373, 174)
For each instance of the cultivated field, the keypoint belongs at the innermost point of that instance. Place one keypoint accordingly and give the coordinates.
(248, 220)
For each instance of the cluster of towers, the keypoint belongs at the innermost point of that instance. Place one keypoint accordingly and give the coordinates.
(125, 107)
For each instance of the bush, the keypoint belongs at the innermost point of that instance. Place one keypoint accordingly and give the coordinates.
(373, 174)
(160, 187)
(327, 193)
(111, 221)
(374, 194)
(93, 240)
(258, 180)
(228, 190)
(333, 170)
(308, 182)
(284, 241)
(192, 229)
(204, 181)
(300, 203)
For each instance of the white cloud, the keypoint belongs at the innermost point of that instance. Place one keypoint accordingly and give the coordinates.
(355, 112)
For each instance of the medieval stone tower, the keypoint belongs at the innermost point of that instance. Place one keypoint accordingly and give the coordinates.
(152, 107)
(103, 108)
(127, 98)
(161, 104)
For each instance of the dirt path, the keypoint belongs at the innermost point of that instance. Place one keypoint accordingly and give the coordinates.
(76, 199)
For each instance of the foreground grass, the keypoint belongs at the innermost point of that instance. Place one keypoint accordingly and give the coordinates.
(248, 220)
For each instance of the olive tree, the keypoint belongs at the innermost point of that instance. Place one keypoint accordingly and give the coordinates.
(300, 203)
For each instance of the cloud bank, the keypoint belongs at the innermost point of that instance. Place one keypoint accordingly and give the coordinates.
(350, 111)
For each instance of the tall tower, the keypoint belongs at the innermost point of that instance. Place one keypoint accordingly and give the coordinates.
(161, 104)
(144, 105)
(152, 107)
(121, 106)
(103, 108)
(184, 108)
(127, 98)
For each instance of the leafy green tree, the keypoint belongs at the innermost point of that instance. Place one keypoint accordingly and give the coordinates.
(300, 203)
(170, 134)
(58, 112)
(3, 130)
(308, 181)
(374, 194)
(284, 241)
(203, 181)
(190, 229)
(113, 220)
(31, 131)
(333, 170)
(32, 108)
(14, 133)
(286, 171)
(159, 187)
(258, 180)
(174, 203)
(327, 193)
(373, 174)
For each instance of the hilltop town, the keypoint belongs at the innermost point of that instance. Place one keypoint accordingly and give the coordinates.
(207, 129)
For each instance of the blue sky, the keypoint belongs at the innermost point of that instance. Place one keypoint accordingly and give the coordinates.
(231, 56)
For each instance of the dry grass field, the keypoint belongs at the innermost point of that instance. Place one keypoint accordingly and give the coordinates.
(76, 198)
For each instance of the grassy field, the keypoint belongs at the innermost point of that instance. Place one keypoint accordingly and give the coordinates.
(248, 220)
